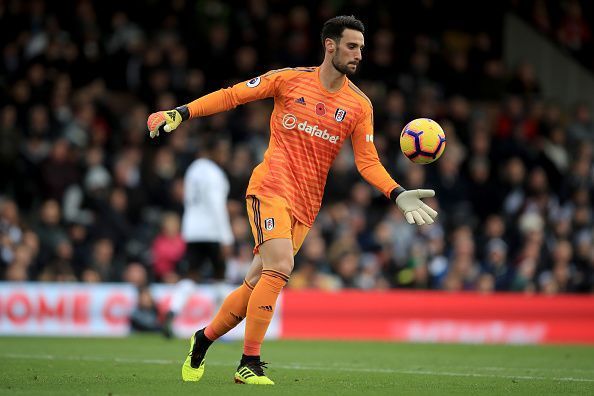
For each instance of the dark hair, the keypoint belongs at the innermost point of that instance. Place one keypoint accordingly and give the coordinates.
(334, 27)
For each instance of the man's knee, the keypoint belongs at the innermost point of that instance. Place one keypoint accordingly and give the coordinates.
(277, 255)
(284, 265)
(255, 271)
(252, 279)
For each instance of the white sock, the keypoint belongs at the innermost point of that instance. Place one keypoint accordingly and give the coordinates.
(220, 290)
(181, 293)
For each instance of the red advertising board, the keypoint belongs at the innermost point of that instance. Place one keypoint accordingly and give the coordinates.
(65, 309)
(103, 309)
(438, 317)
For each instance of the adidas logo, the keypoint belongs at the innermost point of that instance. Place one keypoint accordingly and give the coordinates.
(301, 100)
(246, 373)
(172, 115)
(236, 317)
(267, 308)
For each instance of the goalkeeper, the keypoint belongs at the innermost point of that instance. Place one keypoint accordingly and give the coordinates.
(315, 110)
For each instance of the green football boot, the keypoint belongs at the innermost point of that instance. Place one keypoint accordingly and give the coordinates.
(251, 372)
(193, 368)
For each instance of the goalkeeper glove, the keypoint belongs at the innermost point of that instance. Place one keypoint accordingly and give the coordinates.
(415, 210)
(167, 120)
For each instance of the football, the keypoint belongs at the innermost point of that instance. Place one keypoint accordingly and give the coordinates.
(422, 141)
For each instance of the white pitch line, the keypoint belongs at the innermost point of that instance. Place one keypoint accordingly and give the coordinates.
(296, 366)
(486, 368)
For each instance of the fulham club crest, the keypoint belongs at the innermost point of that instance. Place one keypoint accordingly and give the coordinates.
(269, 223)
(339, 115)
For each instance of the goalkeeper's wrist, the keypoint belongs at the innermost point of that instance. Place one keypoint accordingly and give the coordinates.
(184, 111)
(396, 192)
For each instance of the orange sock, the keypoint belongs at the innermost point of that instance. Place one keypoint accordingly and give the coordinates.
(261, 309)
(231, 313)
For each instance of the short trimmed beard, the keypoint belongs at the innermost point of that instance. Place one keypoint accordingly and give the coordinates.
(341, 68)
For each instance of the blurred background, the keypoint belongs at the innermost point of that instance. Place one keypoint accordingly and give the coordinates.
(86, 196)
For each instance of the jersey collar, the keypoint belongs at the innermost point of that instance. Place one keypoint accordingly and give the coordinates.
(324, 90)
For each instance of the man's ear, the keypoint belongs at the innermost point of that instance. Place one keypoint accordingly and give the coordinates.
(330, 45)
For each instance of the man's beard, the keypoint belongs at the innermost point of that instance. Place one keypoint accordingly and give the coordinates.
(344, 69)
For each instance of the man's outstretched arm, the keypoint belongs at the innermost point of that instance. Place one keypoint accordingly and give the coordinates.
(370, 167)
(264, 86)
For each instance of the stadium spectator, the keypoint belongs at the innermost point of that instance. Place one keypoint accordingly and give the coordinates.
(168, 249)
(569, 23)
(145, 316)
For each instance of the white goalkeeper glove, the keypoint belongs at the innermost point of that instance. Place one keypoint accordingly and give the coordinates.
(166, 120)
(415, 210)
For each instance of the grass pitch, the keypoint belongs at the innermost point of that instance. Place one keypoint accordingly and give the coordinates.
(150, 365)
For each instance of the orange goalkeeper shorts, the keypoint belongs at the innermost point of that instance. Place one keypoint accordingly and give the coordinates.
(270, 218)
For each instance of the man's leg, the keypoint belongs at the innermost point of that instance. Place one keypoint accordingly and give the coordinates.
(231, 313)
(218, 262)
(234, 307)
(196, 256)
(277, 262)
(277, 237)
(181, 292)
(189, 269)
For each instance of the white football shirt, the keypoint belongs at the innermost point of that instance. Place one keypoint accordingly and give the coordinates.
(205, 216)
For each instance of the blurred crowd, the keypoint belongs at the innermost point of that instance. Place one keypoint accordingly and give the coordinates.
(568, 23)
(86, 196)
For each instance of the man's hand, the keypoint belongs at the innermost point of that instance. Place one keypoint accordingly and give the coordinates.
(415, 210)
(163, 121)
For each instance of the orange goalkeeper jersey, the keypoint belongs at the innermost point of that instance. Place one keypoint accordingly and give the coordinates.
(308, 127)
